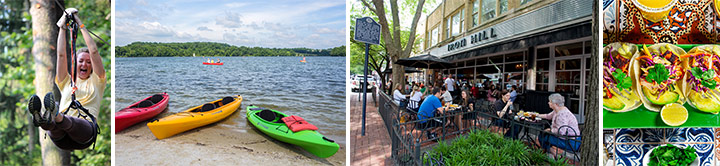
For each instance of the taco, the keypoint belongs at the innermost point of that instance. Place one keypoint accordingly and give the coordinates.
(700, 87)
(618, 93)
(657, 73)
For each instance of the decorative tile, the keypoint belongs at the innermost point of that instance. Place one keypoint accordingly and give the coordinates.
(639, 136)
(678, 135)
(631, 154)
(717, 144)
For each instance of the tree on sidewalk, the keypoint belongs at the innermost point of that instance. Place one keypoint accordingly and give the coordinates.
(391, 33)
(589, 145)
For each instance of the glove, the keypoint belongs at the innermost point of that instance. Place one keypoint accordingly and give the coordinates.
(63, 20)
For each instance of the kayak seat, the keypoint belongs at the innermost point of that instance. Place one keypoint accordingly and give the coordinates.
(227, 100)
(207, 107)
(267, 115)
(156, 98)
(145, 103)
(296, 123)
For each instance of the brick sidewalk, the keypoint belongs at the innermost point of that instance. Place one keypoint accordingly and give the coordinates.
(374, 148)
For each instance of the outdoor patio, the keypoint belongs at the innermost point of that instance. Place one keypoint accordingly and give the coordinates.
(411, 146)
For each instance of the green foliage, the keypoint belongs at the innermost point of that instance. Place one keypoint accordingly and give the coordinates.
(706, 77)
(658, 73)
(672, 155)
(16, 84)
(151, 49)
(482, 147)
(622, 80)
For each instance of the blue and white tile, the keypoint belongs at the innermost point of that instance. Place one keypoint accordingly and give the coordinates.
(639, 136)
(698, 135)
(631, 154)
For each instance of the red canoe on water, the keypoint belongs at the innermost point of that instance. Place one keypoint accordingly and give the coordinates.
(141, 111)
(206, 63)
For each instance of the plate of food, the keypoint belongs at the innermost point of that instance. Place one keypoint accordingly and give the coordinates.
(671, 155)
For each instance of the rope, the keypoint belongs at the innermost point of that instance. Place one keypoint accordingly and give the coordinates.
(73, 28)
(66, 13)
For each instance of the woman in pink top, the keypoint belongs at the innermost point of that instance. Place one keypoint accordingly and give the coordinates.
(560, 116)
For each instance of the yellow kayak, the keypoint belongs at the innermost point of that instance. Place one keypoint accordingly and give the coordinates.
(195, 117)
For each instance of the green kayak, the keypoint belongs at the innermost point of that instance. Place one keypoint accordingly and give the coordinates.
(269, 122)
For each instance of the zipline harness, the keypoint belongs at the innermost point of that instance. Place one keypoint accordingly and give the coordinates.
(74, 104)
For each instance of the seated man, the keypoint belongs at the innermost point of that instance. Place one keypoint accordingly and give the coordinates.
(428, 108)
(560, 116)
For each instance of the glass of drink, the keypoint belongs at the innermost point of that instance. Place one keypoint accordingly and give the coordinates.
(654, 10)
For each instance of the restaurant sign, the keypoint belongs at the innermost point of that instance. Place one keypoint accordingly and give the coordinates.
(474, 38)
(552, 16)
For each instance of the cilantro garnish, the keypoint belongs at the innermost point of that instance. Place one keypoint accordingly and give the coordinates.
(659, 73)
(705, 77)
(622, 80)
(672, 155)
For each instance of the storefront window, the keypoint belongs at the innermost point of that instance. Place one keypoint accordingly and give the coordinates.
(568, 77)
(496, 59)
(503, 6)
(570, 64)
(475, 11)
(569, 49)
(515, 67)
(543, 53)
(488, 9)
(543, 65)
(515, 57)
(481, 61)
(542, 77)
(587, 47)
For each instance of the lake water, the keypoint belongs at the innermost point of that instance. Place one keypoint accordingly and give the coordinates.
(314, 90)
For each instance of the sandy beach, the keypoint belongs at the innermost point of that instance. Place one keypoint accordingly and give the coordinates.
(215, 144)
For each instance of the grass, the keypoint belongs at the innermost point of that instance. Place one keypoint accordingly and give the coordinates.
(482, 147)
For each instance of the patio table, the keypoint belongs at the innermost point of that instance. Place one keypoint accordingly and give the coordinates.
(526, 125)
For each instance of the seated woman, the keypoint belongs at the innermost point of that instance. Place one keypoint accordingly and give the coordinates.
(398, 97)
(560, 117)
(503, 109)
(468, 103)
(76, 129)
(415, 98)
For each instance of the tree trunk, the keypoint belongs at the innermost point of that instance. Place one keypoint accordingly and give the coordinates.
(589, 146)
(45, 14)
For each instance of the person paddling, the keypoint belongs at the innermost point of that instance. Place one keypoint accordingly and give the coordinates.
(74, 128)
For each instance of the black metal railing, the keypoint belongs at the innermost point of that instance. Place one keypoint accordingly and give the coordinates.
(409, 144)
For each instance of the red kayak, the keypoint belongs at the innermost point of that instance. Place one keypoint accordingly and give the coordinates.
(141, 111)
(206, 63)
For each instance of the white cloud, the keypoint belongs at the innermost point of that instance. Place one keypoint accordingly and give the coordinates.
(229, 20)
(203, 28)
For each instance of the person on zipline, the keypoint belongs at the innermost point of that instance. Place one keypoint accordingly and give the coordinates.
(72, 129)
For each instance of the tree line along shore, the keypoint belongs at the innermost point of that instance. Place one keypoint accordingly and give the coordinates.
(152, 49)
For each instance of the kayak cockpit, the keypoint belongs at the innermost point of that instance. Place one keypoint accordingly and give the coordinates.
(150, 101)
(270, 116)
(214, 105)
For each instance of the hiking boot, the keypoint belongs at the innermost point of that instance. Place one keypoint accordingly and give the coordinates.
(50, 109)
(34, 106)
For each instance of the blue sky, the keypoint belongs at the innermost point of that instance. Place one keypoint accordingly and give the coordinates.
(263, 23)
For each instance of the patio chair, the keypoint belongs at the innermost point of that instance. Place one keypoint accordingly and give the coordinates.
(570, 145)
